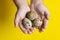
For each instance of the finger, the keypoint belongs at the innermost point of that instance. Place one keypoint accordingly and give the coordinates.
(28, 31)
(32, 29)
(41, 30)
(22, 27)
(46, 13)
(44, 25)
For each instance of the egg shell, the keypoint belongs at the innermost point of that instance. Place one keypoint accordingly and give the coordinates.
(27, 23)
(31, 15)
(37, 22)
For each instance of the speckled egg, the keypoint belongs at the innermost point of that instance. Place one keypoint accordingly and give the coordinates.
(37, 22)
(27, 23)
(31, 15)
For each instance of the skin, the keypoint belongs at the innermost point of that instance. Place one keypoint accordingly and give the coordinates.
(23, 8)
(42, 11)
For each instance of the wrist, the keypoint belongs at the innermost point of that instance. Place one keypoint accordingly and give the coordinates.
(36, 2)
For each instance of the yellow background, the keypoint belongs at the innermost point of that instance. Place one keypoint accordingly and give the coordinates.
(9, 32)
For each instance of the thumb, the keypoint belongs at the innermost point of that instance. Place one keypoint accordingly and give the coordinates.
(47, 14)
(16, 21)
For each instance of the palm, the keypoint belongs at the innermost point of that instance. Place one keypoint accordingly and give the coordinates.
(18, 20)
(43, 12)
(20, 15)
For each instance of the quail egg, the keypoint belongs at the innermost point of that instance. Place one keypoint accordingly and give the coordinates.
(27, 23)
(37, 22)
(31, 15)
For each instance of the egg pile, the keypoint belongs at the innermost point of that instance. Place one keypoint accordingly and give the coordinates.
(31, 20)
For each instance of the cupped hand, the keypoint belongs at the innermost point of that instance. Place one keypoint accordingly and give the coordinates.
(18, 20)
(43, 12)
(23, 8)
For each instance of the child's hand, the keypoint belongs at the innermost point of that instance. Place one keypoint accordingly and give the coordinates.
(42, 11)
(20, 15)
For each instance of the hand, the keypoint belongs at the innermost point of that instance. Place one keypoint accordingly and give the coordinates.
(20, 15)
(43, 12)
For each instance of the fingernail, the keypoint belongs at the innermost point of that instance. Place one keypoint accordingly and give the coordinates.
(30, 32)
(25, 32)
(34, 28)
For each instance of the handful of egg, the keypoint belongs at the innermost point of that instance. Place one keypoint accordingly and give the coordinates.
(31, 20)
